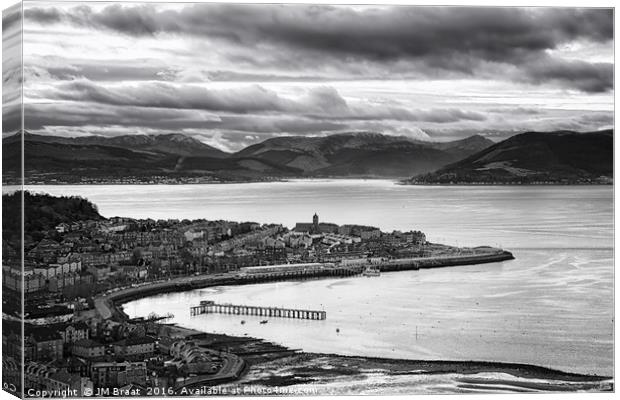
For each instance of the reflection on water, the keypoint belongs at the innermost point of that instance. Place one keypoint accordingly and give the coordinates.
(553, 311)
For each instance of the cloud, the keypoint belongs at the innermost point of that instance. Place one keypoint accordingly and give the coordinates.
(253, 98)
(11, 18)
(249, 72)
(390, 32)
(462, 40)
(584, 76)
(318, 103)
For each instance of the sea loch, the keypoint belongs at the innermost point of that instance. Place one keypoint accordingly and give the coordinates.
(552, 306)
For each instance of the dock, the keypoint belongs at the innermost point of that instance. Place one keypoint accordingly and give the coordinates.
(210, 307)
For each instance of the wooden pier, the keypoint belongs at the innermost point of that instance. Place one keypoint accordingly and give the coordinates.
(208, 307)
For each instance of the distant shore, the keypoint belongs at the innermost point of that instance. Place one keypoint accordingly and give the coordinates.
(404, 181)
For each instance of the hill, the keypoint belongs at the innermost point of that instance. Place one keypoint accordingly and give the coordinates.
(42, 212)
(173, 143)
(534, 157)
(361, 154)
(173, 158)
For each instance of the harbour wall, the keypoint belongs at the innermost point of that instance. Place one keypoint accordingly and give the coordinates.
(114, 300)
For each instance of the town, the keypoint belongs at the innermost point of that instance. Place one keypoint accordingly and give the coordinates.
(76, 341)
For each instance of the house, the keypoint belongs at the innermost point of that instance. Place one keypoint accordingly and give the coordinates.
(34, 283)
(62, 228)
(370, 234)
(116, 374)
(72, 332)
(139, 271)
(87, 348)
(70, 383)
(99, 272)
(73, 365)
(60, 282)
(46, 250)
(46, 343)
(133, 346)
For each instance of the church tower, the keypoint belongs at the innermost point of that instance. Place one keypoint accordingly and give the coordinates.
(315, 224)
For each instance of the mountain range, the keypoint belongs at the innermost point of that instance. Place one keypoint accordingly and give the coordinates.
(554, 157)
(534, 157)
(356, 154)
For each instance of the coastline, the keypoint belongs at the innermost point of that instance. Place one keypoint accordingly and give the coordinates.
(272, 367)
(402, 181)
(107, 305)
(266, 361)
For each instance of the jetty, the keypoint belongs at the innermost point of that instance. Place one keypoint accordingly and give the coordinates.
(208, 307)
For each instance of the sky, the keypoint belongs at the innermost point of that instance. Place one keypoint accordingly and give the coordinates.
(233, 75)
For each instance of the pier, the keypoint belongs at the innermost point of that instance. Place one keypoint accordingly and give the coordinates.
(208, 307)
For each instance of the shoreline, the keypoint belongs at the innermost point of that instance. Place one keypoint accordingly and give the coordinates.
(397, 180)
(272, 356)
(107, 305)
(270, 365)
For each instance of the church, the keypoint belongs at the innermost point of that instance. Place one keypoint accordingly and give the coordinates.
(315, 228)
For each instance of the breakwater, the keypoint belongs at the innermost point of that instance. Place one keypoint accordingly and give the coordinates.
(108, 304)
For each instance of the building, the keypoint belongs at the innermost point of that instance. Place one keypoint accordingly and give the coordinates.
(328, 227)
(72, 332)
(87, 348)
(46, 344)
(134, 346)
(73, 365)
(315, 227)
(364, 232)
(34, 283)
(68, 281)
(116, 374)
(370, 234)
(58, 382)
(99, 272)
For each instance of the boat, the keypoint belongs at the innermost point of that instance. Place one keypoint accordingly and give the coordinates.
(242, 322)
(264, 321)
(371, 271)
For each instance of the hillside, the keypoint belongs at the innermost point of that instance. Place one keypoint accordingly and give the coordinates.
(42, 213)
(173, 143)
(361, 154)
(534, 157)
(173, 158)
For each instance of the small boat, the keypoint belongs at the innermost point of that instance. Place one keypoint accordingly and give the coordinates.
(242, 322)
(371, 271)
(337, 330)
(264, 321)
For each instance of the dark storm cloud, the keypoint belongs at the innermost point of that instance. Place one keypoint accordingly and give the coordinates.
(394, 32)
(454, 39)
(587, 77)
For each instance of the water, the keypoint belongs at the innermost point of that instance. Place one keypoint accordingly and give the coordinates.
(513, 216)
(552, 306)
